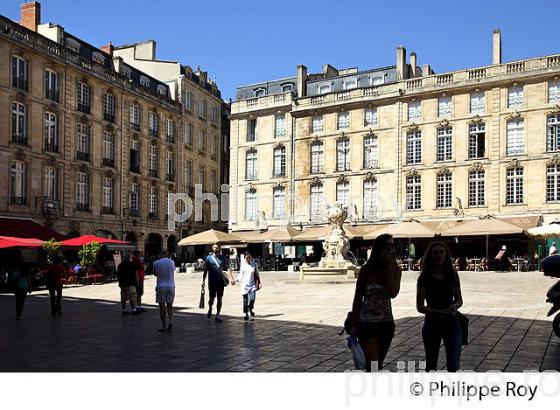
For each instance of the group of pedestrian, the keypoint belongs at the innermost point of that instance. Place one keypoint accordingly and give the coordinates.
(130, 274)
(438, 297)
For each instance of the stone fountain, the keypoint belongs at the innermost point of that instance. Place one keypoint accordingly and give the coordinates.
(336, 246)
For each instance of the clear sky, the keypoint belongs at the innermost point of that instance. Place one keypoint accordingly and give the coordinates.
(241, 42)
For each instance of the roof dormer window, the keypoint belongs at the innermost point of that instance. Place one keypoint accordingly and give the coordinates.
(350, 83)
(162, 89)
(98, 57)
(287, 88)
(324, 88)
(144, 81)
(73, 44)
(260, 92)
(377, 80)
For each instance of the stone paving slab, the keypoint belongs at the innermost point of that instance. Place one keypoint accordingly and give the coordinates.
(295, 330)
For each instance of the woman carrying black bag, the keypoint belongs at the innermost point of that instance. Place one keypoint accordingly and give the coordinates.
(438, 297)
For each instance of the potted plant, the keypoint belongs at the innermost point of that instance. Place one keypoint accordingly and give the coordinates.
(51, 248)
(88, 256)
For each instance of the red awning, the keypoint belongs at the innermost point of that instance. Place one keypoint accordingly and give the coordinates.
(11, 242)
(87, 239)
(25, 228)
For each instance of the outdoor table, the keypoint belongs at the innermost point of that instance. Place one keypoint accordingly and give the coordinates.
(409, 262)
(475, 261)
(519, 261)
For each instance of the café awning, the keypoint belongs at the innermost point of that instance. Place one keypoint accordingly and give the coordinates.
(483, 227)
(318, 233)
(87, 239)
(282, 234)
(209, 237)
(26, 228)
(12, 242)
(253, 236)
(405, 229)
(545, 231)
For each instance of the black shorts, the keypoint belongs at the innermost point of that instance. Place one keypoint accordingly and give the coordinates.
(376, 330)
(216, 290)
(140, 289)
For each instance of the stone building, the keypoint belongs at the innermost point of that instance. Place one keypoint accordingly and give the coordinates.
(398, 142)
(93, 144)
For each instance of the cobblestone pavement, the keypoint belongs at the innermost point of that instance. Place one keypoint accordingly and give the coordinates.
(296, 328)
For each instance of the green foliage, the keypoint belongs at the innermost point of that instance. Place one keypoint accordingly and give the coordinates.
(51, 247)
(88, 254)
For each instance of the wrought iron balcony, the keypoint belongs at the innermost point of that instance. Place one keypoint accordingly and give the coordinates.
(133, 212)
(108, 162)
(19, 139)
(109, 117)
(82, 207)
(153, 173)
(134, 167)
(107, 210)
(154, 133)
(18, 200)
(51, 146)
(135, 127)
(82, 156)
(51, 95)
(84, 108)
(20, 83)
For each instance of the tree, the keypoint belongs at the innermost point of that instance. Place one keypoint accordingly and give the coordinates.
(88, 254)
(52, 248)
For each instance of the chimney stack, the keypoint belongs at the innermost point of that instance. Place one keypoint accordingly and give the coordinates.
(30, 15)
(108, 49)
(401, 63)
(426, 70)
(497, 47)
(301, 80)
(413, 64)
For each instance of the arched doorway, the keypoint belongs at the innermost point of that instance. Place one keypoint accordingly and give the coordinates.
(153, 246)
(73, 234)
(105, 234)
(172, 244)
(131, 237)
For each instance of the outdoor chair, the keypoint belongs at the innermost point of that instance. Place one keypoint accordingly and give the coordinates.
(484, 264)
(470, 265)
(418, 264)
(457, 264)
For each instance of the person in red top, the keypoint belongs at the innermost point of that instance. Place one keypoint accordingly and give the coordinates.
(138, 262)
(54, 275)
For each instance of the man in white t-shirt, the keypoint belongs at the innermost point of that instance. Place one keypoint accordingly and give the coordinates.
(164, 270)
(553, 250)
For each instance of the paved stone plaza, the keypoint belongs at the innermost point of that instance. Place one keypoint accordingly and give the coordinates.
(296, 328)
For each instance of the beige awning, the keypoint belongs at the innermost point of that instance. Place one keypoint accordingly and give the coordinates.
(405, 229)
(441, 225)
(483, 227)
(249, 236)
(524, 222)
(318, 233)
(209, 237)
(280, 234)
(545, 231)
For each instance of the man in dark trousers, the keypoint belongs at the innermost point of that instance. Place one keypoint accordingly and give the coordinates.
(54, 285)
(214, 264)
(128, 280)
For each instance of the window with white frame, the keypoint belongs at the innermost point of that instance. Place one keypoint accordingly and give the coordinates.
(317, 201)
(153, 159)
(188, 134)
(444, 190)
(51, 85)
(349, 83)
(188, 174)
(134, 116)
(477, 140)
(377, 80)
(83, 139)
(279, 166)
(133, 198)
(553, 132)
(188, 100)
(259, 92)
(82, 190)
(370, 117)
(202, 177)
(478, 104)
(152, 201)
(515, 138)
(108, 146)
(413, 192)
(514, 185)
(251, 130)
(324, 88)
(279, 203)
(287, 88)
(317, 158)
(18, 183)
(444, 144)
(343, 120)
(49, 183)
(414, 147)
(414, 111)
(343, 193)
(370, 199)
(515, 97)
(553, 183)
(202, 140)
(19, 73)
(83, 97)
(251, 165)
(170, 130)
(134, 153)
(108, 194)
(251, 205)
(477, 188)
(202, 105)
(317, 124)
(109, 106)
(371, 152)
(280, 125)
(554, 91)
(51, 136)
(19, 126)
(153, 123)
(445, 109)
(343, 154)
(144, 81)
(170, 166)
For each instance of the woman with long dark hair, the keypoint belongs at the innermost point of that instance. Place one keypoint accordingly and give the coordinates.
(372, 317)
(438, 297)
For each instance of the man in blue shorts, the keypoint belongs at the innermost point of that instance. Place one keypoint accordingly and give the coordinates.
(214, 264)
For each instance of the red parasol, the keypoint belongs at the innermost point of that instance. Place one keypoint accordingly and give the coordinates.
(13, 242)
(87, 239)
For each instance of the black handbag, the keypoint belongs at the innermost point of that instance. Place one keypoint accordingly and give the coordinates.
(464, 323)
(201, 302)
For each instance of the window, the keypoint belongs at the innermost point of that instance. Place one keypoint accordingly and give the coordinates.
(108, 149)
(188, 174)
(49, 183)
(252, 130)
(19, 73)
(153, 164)
(414, 147)
(476, 188)
(553, 183)
(83, 97)
(19, 126)
(260, 92)
(170, 130)
(18, 183)
(144, 81)
(317, 158)
(202, 177)
(51, 85)
(370, 199)
(279, 203)
(515, 97)
(514, 185)
(213, 181)
(343, 120)
(371, 152)
(413, 192)
(477, 140)
(444, 107)
(133, 200)
(107, 196)
(251, 165)
(343, 154)
(251, 205)
(370, 117)
(414, 111)
(515, 141)
(214, 114)
(109, 107)
(82, 147)
(287, 88)
(554, 92)
(324, 88)
(188, 134)
(444, 195)
(213, 146)
(134, 117)
(317, 124)
(202, 107)
(169, 166)
(82, 191)
(343, 193)
(377, 80)
(444, 144)
(553, 133)
(349, 83)
(317, 202)
(134, 156)
(51, 137)
(279, 125)
(152, 201)
(279, 162)
(188, 100)
(477, 102)
(153, 123)
(202, 140)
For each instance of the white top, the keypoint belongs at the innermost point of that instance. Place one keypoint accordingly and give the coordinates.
(246, 277)
(164, 269)
(552, 250)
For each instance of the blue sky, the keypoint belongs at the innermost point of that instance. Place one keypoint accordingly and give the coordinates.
(241, 42)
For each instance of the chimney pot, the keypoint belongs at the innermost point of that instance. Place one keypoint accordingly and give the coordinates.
(401, 63)
(30, 16)
(497, 47)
